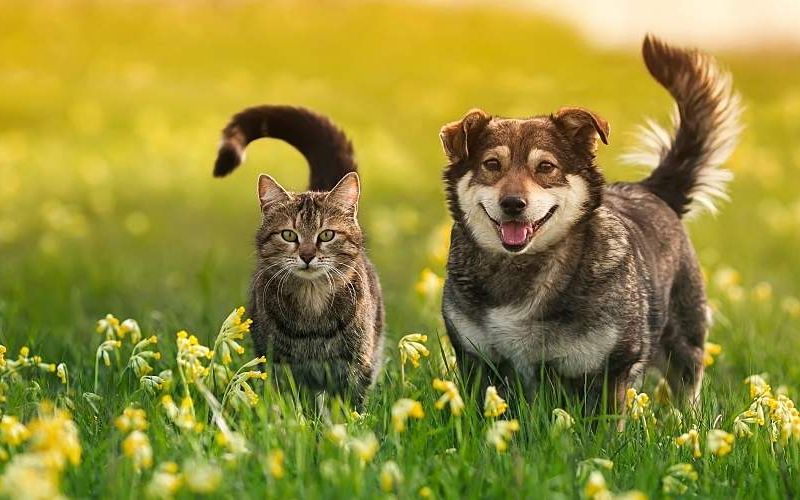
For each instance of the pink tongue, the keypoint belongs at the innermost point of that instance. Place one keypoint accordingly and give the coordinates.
(514, 233)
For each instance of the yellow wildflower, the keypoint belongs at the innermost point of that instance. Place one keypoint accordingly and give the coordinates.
(493, 404)
(590, 464)
(132, 327)
(674, 481)
(740, 423)
(202, 477)
(62, 373)
(711, 351)
(402, 410)
(758, 385)
(190, 356)
(132, 419)
(166, 481)
(137, 447)
(429, 285)
(762, 292)
(791, 306)
(232, 330)
(426, 492)
(390, 476)
(275, 464)
(108, 326)
(500, 432)
(595, 488)
(105, 348)
(337, 434)
(182, 416)
(719, 442)
(412, 347)
(30, 477)
(365, 447)
(791, 429)
(55, 433)
(449, 395)
(562, 421)
(637, 403)
(692, 440)
(12, 431)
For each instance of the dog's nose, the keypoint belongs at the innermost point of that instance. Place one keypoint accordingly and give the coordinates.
(513, 205)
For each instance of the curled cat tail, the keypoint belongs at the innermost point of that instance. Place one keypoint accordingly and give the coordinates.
(326, 148)
(688, 161)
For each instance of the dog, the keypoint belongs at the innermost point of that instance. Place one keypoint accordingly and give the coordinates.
(553, 272)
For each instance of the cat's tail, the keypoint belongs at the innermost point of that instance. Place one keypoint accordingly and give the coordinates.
(687, 162)
(326, 148)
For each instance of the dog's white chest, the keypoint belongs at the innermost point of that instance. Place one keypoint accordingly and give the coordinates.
(511, 333)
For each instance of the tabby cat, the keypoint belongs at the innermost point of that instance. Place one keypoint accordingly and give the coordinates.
(315, 298)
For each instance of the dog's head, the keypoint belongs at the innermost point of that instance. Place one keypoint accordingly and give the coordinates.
(520, 185)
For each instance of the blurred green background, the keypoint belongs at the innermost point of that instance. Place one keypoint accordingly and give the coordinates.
(109, 121)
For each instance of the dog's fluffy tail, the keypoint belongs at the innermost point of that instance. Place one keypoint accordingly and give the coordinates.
(687, 162)
(326, 148)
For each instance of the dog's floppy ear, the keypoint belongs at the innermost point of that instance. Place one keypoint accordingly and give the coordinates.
(582, 125)
(455, 136)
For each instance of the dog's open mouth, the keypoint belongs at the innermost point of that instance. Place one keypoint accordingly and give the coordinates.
(516, 234)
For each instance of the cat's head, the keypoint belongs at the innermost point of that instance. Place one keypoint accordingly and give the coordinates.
(310, 235)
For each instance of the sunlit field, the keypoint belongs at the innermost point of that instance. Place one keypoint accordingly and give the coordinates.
(109, 122)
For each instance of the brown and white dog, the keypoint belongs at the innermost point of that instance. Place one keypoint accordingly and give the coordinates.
(553, 271)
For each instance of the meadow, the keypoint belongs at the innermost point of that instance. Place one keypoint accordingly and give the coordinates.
(109, 122)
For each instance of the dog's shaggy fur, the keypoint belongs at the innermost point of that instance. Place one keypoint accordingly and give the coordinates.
(552, 271)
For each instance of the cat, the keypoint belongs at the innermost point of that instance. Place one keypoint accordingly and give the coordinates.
(315, 298)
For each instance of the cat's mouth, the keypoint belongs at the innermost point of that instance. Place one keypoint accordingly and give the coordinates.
(307, 271)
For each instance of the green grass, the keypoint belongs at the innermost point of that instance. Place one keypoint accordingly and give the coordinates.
(109, 125)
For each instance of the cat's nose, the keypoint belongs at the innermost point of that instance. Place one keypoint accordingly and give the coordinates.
(307, 257)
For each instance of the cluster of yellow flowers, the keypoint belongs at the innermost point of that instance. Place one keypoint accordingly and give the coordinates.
(199, 477)
(450, 395)
(51, 443)
(729, 282)
(676, 478)
(402, 410)
(412, 348)
(136, 444)
(364, 447)
(429, 286)
(596, 488)
(778, 414)
(13, 369)
(493, 404)
(191, 354)
(182, 416)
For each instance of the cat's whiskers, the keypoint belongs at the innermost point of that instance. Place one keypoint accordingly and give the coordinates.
(349, 286)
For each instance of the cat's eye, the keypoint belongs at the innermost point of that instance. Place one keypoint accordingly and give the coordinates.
(545, 167)
(492, 164)
(289, 235)
(326, 235)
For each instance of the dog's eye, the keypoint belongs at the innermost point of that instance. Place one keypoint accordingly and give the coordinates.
(289, 235)
(326, 235)
(545, 167)
(492, 164)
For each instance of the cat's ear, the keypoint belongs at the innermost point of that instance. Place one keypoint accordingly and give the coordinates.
(269, 191)
(346, 192)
